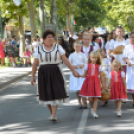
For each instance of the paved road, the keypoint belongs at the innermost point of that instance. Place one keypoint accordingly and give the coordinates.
(20, 113)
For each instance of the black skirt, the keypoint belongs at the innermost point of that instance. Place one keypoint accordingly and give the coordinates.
(51, 83)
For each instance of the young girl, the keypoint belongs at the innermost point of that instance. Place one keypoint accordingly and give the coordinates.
(129, 58)
(117, 84)
(77, 59)
(91, 87)
(27, 56)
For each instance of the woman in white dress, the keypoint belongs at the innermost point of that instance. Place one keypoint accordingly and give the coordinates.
(118, 41)
(77, 60)
(129, 58)
(51, 84)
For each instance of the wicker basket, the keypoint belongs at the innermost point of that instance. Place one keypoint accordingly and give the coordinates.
(105, 95)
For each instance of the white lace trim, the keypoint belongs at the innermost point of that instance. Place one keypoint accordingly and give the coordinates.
(116, 77)
(93, 70)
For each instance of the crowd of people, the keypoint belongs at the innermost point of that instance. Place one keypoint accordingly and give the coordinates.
(10, 48)
(98, 62)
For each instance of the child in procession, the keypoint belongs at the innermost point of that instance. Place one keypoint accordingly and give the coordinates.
(91, 87)
(27, 56)
(117, 85)
(77, 60)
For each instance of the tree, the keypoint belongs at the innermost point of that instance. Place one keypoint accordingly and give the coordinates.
(11, 11)
(42, 16)
(32, 19)
(122, 11)
(53, 19)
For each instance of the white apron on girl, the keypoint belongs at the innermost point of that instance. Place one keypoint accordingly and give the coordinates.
(77, 59)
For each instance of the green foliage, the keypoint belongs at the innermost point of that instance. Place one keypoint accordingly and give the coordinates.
(11, 11)
(122, 11)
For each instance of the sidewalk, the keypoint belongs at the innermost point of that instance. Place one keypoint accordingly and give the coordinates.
(11, 74)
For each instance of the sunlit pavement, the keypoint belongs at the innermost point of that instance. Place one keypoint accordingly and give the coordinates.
(20, 113)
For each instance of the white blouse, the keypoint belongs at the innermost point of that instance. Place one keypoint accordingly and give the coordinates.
(78, 58)
(115, 43)
(86, 49)
(61, 51)
(129, 53)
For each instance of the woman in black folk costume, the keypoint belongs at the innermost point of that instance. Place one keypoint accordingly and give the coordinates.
(51, 85)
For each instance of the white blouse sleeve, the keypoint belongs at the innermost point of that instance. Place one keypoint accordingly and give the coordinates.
(111, 45)
(85, 58)
(35, 54)
(61, 50)
(100, 68)
(110, 75)
(107, 45)
(122, 74)
(85, 66)
(125, 55)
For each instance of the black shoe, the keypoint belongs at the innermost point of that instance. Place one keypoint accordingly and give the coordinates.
(104, 104)
(80, 107)
(133, 104)
(84, 107)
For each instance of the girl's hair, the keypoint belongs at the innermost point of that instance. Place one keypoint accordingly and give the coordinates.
(119, 27)
(86, 34)
(115, 61)
(110, 36)
(97, 54)
(131, 34)
(77, 42)
(95, 36)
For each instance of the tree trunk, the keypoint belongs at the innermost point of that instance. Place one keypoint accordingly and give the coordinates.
(32, 19)
(22, 37)
(42, 16)
(68, 16)
(54, 16)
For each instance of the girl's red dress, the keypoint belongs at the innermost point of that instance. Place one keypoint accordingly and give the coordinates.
(117, 87)
(91, 86)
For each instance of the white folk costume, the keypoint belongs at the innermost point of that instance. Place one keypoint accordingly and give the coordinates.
(115, 43)
(51, 84)
(87, 50)
(77, 59)
(129, 54)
